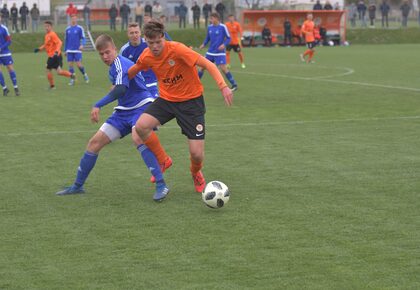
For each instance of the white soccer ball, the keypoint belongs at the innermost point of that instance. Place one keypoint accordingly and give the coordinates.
(331, 43)
(215, 194)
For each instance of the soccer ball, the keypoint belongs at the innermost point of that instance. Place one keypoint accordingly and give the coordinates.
(215, 194)
(331, 43)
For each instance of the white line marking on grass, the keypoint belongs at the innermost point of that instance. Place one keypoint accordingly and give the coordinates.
(332, 81)
(297, 122)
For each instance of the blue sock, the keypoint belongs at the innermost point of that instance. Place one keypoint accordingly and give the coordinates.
(86, 165)
(230, 78)
(2, 83)
(82, 70)
(151, 162)
(71, 69)
(200, 73)
(12, 74)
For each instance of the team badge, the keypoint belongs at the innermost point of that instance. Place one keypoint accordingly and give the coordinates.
(199, 127)
(171, 62)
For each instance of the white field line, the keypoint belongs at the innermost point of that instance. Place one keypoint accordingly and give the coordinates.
(323, 79)
(286, 123)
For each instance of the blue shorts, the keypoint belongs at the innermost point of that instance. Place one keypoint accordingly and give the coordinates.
(216, 59)
(124, 121)
(6, 60)
(74, 56)
(154, 91)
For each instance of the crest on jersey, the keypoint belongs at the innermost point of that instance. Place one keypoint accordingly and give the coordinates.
(171, 62)
(199, 127)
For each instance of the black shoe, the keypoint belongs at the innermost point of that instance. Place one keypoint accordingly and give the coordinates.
(234, 88)
(5, 92)
(17, 93)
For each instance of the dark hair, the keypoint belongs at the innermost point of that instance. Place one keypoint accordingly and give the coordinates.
(49, 22)
(215, 15)
(153, 28)
(133, 24)
(103, 40)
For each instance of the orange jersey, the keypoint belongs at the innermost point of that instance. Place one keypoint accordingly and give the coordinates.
(175, 71)
(235, 32)
(52, 44)
(308, 30)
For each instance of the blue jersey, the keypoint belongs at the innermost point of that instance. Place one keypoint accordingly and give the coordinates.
(75, 36)
(137, 94)
(132, 53)
(5, 41)
(217, 35)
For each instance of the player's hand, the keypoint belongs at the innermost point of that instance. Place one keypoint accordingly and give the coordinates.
(228, 96)
(81, 47)
(36, 50)
(201, 46)
(94, 115)
(221, 47)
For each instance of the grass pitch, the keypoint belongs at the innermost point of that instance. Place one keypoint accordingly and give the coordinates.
(322, 161)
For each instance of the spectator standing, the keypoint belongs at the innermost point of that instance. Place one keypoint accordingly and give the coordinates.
(317, 6)
(287, 27)
(221, 8)
(206, 12)
(361, 9)
(148, 9)
(35, 18)
(113, 13)
(86, 16)
(328, 6)
(337, 6)
(352, 14)
(405, 11)
(139, 11)
(266, 36)
(157, 10)
(71, 10)
(372, 14)
(385, 8)
(5, 15)
(14, 13)
(23, 11)
(183, 10)
(124, 13)
(196, 11)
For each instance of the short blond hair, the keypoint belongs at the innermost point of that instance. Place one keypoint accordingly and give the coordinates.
(103, 40)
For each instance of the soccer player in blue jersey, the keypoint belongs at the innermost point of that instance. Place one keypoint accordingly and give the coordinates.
(73, 47)
(219, 38)
(7, 60)
(133, 98)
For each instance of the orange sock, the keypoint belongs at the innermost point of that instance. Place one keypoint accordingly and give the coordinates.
(50, 79)
(227, 57)
(308, 51)
(195, 166)
(241, 57)
(311, 55)
(154, 145)
(64, 73)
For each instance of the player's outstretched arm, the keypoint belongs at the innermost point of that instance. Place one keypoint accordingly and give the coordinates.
(134, 69)
(217, 76)
(115, 93)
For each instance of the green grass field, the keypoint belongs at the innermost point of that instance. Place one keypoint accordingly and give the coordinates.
(322, 160)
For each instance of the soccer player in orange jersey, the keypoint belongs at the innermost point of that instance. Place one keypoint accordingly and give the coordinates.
(52, 45)
(181, 94)
(308, 32)
(235, 31)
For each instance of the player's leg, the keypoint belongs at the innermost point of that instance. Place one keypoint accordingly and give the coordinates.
(12, 74)
(70, 61)
(2, 82)
(221, 62)
(196, 148)
(228, 48)
(81, 67)
(306, 53)
(50, 77)
(88, 160)
(311, 47)
(238, 50)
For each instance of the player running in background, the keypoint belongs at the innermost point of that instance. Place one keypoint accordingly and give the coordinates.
(73, 46)
(235, 31)
(52, 45)
(219, 38)
(308, 32)
(7, 60)
(132, 50)
(181, 95)
(133, 98)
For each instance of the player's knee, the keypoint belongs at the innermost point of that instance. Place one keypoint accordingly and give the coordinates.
(94, 145)
(197, 155)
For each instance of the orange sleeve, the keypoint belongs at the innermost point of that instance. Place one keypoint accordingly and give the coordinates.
(214, 72)
(135, 68)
